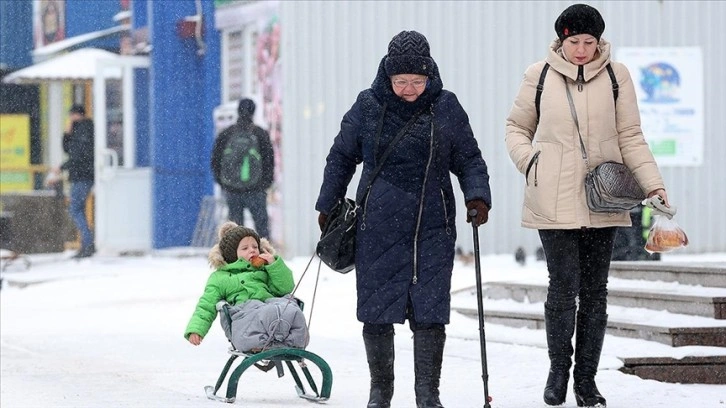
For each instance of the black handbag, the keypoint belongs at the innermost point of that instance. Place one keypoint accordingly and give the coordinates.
(336, 247)
(610, 186)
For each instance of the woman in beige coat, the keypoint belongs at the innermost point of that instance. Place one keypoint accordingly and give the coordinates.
(544, 144)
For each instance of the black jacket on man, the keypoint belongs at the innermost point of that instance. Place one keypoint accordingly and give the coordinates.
(78, 144)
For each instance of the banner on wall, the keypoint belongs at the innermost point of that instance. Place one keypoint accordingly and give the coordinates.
(49, 21)
(15, 154)
(669, 87)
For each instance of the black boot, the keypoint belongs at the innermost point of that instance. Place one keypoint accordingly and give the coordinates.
(85, 252)
(588, 345)
(428, 354)
(379, 351)
(559, 326)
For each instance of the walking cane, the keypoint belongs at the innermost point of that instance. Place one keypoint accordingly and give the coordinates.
(480, 309)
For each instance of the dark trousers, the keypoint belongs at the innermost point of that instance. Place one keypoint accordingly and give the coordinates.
(578, 262)
(79, 194)
(256, 203)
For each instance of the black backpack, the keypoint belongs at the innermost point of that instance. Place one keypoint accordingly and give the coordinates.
(241, 164)
(543, 74)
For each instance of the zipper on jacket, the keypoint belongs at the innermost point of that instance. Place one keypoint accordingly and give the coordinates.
(446, 213)
(421, 202)
(534, 161)
(580, 77)
(365, 206)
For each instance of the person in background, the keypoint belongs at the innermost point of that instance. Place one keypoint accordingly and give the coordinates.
(546, 149)
(406, 232)
(243, 164)
(78, 144)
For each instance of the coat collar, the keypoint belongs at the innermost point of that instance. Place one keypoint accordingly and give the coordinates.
(557, 61)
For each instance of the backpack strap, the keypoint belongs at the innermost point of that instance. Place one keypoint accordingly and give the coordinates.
(543, 74)
(614, 80)
(540, 87)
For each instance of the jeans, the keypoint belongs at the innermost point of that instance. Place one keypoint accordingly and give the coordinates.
(256, 203)
(578, 262)
(79, 194)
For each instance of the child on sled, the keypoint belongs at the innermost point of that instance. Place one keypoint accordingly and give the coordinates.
(253, 284)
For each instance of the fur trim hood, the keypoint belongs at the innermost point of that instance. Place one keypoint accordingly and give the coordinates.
(216, 257)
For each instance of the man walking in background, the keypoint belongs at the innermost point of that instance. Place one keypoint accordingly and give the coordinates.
(78, 145)
(243, 165)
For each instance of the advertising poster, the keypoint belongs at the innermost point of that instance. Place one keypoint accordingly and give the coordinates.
(669, 87)
(49, 21)
(15, 153)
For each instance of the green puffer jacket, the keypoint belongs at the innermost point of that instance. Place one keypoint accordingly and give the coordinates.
(236, 283)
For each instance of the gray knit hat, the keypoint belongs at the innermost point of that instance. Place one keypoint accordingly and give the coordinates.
(230, 235)
(409, 53)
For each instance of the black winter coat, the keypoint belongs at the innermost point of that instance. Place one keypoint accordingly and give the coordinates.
(268, 155)
(406, 229)
(79, 146)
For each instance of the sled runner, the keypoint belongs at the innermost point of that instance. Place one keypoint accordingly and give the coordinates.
(266, 361)
(276, 358)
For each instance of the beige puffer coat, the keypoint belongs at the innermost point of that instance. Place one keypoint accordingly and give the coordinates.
(554, 185)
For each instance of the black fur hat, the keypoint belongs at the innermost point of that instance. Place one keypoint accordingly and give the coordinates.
(409, 53)
(230, 234)
(579, 19)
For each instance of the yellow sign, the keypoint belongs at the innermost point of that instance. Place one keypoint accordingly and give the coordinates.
(15, 153)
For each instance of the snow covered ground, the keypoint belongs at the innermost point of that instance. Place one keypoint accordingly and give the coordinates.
(107, 332)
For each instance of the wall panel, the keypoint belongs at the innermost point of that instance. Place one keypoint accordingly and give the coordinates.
(332, 50)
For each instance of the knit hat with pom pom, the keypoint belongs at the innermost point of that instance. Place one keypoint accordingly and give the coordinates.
(230, 235)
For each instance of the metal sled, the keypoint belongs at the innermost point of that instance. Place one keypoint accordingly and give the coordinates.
(275, 358)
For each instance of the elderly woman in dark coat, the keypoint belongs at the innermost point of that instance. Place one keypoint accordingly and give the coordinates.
(406, 224)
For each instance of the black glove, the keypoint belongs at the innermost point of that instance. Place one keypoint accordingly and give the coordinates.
(482, 212)
(321, 220)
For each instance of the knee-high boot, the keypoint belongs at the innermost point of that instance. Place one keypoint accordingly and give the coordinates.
(380, 355)
(559, 326)
(588, 345)
(428, 354)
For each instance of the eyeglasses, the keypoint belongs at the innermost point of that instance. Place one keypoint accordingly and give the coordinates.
(416, 83)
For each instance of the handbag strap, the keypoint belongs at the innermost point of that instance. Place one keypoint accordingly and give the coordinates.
(573, 111)
(386, 153)
(389, 148)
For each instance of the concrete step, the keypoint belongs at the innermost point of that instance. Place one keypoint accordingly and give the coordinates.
(672, 297)
(709, 274)
(664, 327)
(686, 370)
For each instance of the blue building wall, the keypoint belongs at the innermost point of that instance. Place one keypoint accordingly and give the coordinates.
(139, 19)
(16, 34)
(83, 16)
(184, 90)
